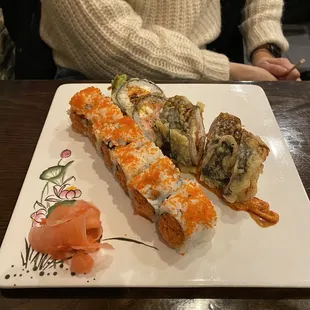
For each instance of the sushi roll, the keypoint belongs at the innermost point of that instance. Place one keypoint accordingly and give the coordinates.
(226, 125)
(182, 129)
(221, 151)
(187, 218)
(152, 186)
(83, 105)
(94, 115)
(233, 159)
(146, 113)
(249, 164)
(86, 100)
(118, 133)
(125, 93)
(130, 160)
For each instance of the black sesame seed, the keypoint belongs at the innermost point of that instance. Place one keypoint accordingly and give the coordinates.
(41, 273)
(12, 266)
(7, 276)
(72, 274)
(55, 273)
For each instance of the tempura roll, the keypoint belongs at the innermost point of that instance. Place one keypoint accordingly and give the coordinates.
(187, 218)
(221, 151)
(152, 186)
(182, 129)
(130, 160)
(225, 124)
(249, 164)
(220, 158)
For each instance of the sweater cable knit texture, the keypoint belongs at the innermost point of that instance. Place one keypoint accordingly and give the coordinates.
(155, 39)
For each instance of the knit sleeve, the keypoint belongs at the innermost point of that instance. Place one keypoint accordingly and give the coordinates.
(262, 24)
(104, 37)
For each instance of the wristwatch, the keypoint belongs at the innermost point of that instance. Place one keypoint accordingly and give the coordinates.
(273, 49)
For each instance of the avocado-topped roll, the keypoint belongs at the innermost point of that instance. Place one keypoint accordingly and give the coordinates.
(182, 129)
(252, 153)
(125, 93)
(151, 187)
(221, 150)
(187, 217)
(146, 113)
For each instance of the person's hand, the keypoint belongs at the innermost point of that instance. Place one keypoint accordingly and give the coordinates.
(240, 72)
(279, 68)
(276, 66)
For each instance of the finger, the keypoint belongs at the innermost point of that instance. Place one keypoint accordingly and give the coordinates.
(276, 70)
(293, 76)
(284, 62)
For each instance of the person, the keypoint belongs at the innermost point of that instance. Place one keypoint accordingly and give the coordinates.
(162, 39)
(33, 58)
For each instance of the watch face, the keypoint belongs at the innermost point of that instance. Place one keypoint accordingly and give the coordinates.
(275, 50)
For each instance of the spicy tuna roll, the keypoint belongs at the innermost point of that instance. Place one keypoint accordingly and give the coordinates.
(130, 160)
(118, 133)
(89, 106)
(152, 186)
(187, 218)
(82, 103)
(86, 100)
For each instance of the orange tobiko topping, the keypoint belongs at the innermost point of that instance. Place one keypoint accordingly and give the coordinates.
(85, 100)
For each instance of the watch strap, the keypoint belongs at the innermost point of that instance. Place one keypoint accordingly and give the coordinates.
(271, 48)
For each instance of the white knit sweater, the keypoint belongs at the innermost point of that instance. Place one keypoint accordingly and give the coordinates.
(151, 38)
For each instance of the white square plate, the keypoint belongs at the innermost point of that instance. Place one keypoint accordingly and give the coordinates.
(241, 253)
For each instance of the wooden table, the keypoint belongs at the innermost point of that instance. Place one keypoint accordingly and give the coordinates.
(23, 109)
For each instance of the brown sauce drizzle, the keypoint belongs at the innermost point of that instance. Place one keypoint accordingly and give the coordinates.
(258, 209)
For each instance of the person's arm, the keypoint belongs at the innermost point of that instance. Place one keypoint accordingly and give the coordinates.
(262, 24)
(99, 36)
